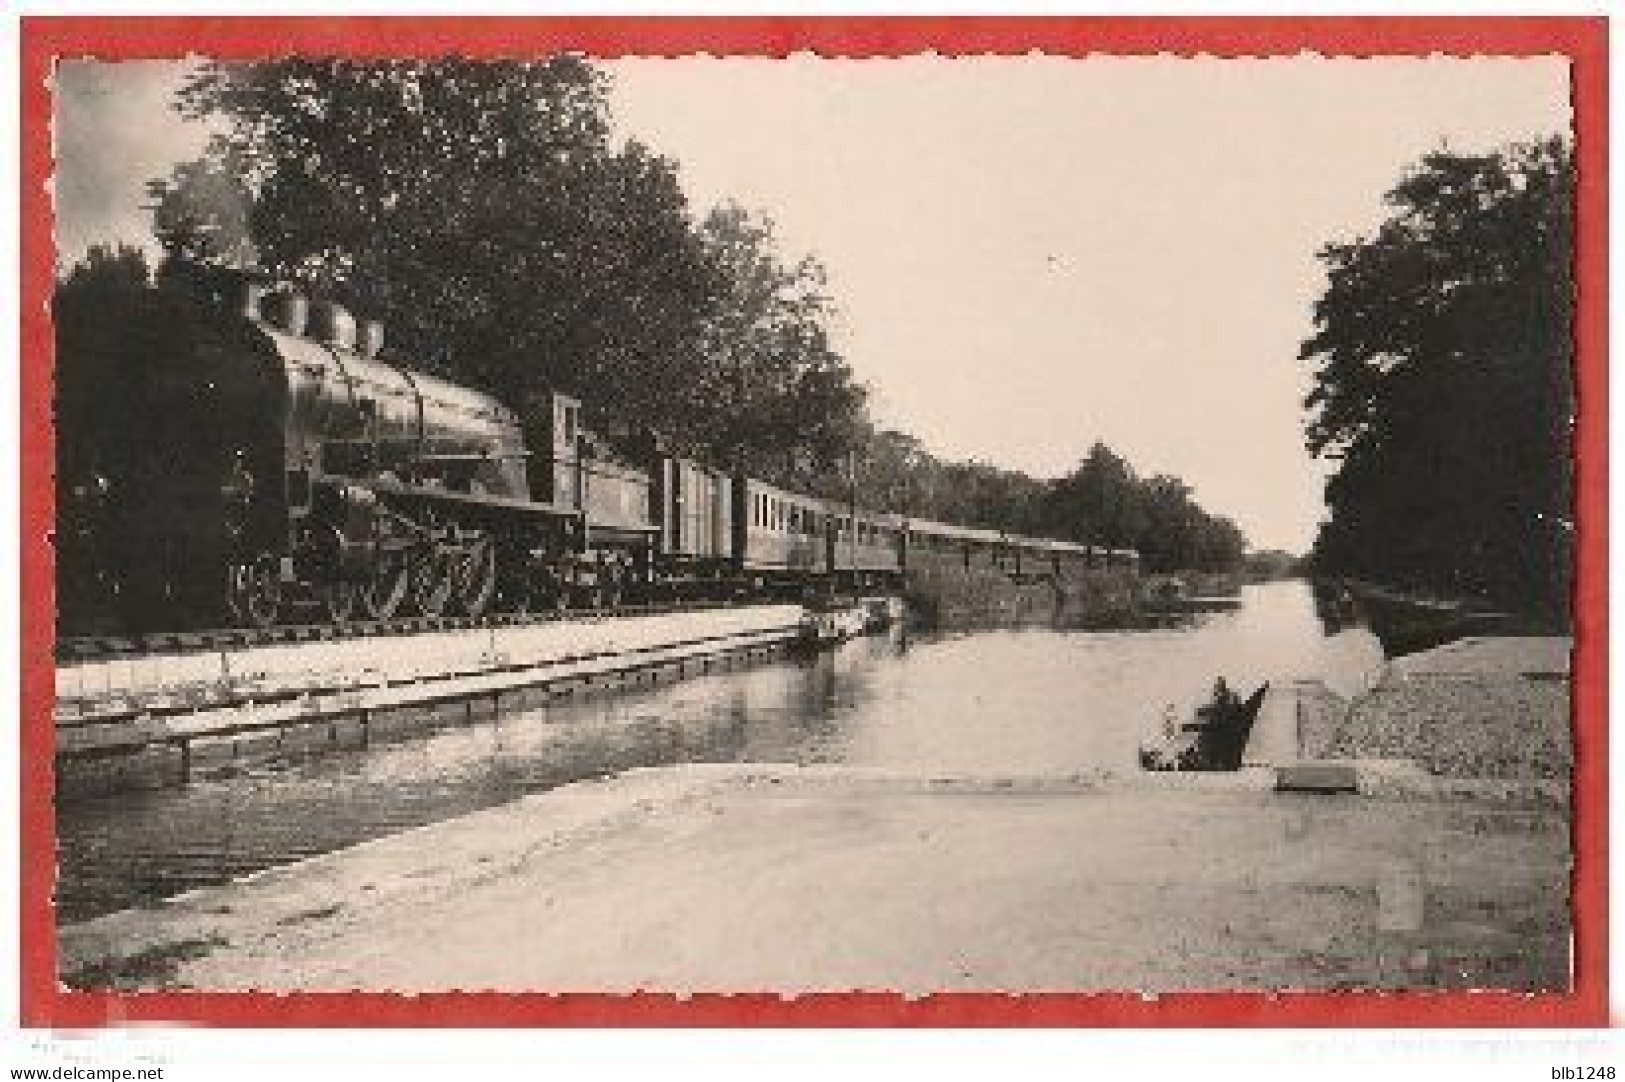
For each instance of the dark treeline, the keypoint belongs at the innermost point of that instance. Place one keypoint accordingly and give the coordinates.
(485, 214)
(1101, 502)
(1442, 382)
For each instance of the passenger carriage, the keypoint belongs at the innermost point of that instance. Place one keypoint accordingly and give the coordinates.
(945, 545)
(868, 548)
(286, 468)
(780, 537)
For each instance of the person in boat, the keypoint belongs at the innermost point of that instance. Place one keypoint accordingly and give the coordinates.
(1221, 707)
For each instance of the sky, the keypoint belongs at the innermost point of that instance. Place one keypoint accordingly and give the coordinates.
(1028, 254)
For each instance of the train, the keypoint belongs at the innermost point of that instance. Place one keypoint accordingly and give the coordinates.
(285, 468)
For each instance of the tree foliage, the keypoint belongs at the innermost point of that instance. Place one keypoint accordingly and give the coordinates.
(1442, 359)
(774, 396)
(93, 308)
(1102, 502)
(479, 209)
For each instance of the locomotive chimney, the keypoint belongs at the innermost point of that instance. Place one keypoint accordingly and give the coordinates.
(372, 339)
(335, 326)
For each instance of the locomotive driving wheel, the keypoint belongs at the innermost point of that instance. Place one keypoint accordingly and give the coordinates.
(339, 601)
(434, 575)
(476, 575)
(254, 591)
(381, 595)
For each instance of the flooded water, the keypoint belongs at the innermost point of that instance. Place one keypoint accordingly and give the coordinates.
(1020, 702)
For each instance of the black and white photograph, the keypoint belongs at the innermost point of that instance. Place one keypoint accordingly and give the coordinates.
(704, 523)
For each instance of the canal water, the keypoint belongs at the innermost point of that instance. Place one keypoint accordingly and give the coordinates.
(1032, 701)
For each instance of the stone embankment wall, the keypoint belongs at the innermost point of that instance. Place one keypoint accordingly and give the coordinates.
(945, 593)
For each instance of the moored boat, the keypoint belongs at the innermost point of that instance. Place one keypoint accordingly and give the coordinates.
(1214, 739)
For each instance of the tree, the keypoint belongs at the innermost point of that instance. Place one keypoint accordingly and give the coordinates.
(93, 309)
(1442, 360)
(1095, 504)
(772, 395)
(478, 208)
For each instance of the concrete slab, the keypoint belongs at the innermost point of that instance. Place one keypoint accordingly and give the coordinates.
(332, 703)
(1317, 778)
(403, 657)
(779, 879)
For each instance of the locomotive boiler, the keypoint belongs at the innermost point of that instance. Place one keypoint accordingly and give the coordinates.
(280, 464)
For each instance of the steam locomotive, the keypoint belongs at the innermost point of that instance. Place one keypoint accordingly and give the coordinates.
(275, 466)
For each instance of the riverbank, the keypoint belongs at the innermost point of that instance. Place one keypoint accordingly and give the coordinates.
(1485, 708)
(153, 720)
(947, 595)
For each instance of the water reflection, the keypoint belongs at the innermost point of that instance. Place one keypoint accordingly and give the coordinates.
(1020, 701)
(1336, 608)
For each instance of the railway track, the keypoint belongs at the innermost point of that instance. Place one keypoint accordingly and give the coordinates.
(84, 648)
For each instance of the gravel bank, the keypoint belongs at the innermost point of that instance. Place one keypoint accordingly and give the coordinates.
(1482, 709)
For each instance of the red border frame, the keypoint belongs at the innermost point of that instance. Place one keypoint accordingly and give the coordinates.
(1582, 40)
